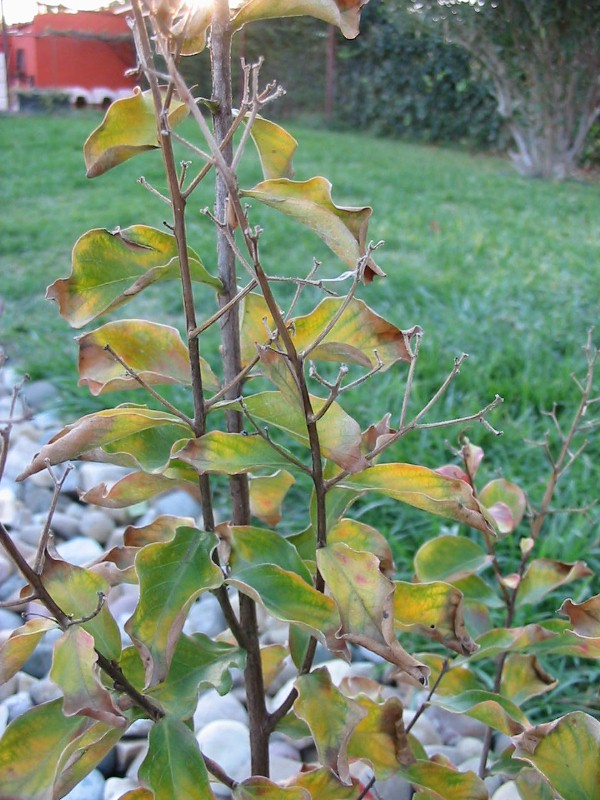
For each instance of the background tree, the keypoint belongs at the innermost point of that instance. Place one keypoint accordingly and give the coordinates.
(543, 60)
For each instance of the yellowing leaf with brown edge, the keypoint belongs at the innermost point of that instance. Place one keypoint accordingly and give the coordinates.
(111, 267)
(434, 609)
(364, 597)
(171, 575)
(492, 709)
(162, 529)
(523, 639)
(506, 502)
(272, 658)
(129, 128)
(267, 493)
(360, 536)
(155, 353)
(524, 677)
(447, 558)
(21, 643)
(75, 671)
(356, 335)
(255, 319)
(138, 794)
(342, 228)
(543, 575)
(31, 750)
(275, 146)
(345, 14)
(532, 785)
(422, 488)
(230, 454)
(263, 789)
(441, 782)
(585, 617)
(144, 435)
(380, 738)
(324, 785)
(139, 486)
(331, 717)
(567, 753)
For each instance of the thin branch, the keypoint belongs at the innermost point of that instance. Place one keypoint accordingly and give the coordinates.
(143, 182)
(333, 394)
(264, 434)
(224, 309)
(40, 555)
(430, 694)
(94, 613)
(191, 146)
(300, 286)
(133, 374)
(233, 382)
(477, 417)
(458, 362)
(409, 380)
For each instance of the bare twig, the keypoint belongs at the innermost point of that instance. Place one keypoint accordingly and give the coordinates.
(224, 309)
(143, 182)
(40, 555)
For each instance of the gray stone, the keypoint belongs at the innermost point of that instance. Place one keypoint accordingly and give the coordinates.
(39, 662)
(108, 764)
(178, 504)
(17, 704)
(3, 719)
(11, 586)
(115, 788)
(394, 788)
(139, 729)
(40, 395)
(79, 551)
(493, 782)
(453, 727)
(470, 764)
(20, 456)
(126, 751)
(508, 791)
(30, 533)
(65, 525)
(6, 568)
(97, 525)
(8, 505)
(90, 788)
(423, 729)
(469, 747)
(444, 750)
(227, 742)
(91, 474)
(25, 682)
(9, 620)
(283, 768)
(36, 498)
(205, 616)
(9, 688)
(212, 706)
(43, 691)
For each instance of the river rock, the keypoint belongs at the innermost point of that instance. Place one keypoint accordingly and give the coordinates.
(227, 742)
(79, 551)
(17, 704)
(9, 620)
(212, 706)
(508, 791)
(97, 525)
(177, 503)
(115, 788)
(65, 525)
(423, 728)
(205, 616)
(90, 788)
(43, 691)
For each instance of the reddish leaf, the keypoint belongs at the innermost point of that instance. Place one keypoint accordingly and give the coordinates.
(585, 617)
(505, 502)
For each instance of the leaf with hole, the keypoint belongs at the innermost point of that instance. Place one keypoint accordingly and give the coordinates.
(174, 767)
(543, 575)
(142, 436)
(342, 228)
(155, 353)
(434, 609)
(422, 488)
(364, 597)
(345, 14)
(172, 575)
(129, 128)
(75, 671)
(111, 267)
(331, 730)
(556, 748)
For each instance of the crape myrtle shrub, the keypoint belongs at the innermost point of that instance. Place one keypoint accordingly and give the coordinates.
(397, 81)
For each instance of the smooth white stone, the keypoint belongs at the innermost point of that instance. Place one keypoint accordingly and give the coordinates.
(446, 750)
(79, 551)
(115, 788)
(8, 505)
(91, 474)
(205, 616)
(423, 729)
(453, 727)
(508, 791)
(97, 525)
(228, 743)
(283, 768)
(469, 747)
(212, 706)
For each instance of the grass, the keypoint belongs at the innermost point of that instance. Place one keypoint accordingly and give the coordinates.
(488, 263)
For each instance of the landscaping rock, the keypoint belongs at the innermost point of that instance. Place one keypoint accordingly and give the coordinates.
(228, 742)
(90, 788)
(97, 525)
(508, 791)
(213, 706)
(79, 551)
(17, 704)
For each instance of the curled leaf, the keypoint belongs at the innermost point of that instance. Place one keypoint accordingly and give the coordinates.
(275, 146)
(138, 486)
(345, 14)
(21, 643)
(585, 617)
(543, 575)
(505, 502)
(129, 128)
(524, 677)
(380, 738)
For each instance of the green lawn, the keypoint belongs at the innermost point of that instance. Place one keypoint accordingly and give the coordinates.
(505, 269)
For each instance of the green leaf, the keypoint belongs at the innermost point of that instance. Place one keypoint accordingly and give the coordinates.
(21, 643)
(264, 789)
(455, 679)
(109, 268)
(356, 335)
(174, 767)
(339, 433)
(524, 677)
(345, 14)
(380, 738)
(42, 734)
(362, 537)
(84, 753)
(445, 783)
(505, 502)
(567, 753)
(518, 639)
(585, 617)
(321, 783)
(493, 710)
(198, 663)
(272, 659)
(532, 786)
(364, 597)
(476, 591)
(76, 591)
(422, 488)
(128, 128)
(155, 353)
(343, 229)
(331, 717)
(75, 671)
(172, 575)
(230, 454)
(267, 493)
(434, 609)
(139, 486)
(447, 558)
(275, 146)
(544, 575)
(143, 435)
(252, 547)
